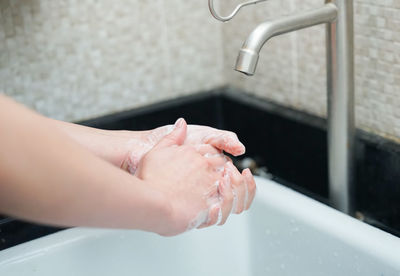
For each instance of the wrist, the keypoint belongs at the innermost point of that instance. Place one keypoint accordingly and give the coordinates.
(160, 218)
(134, 147)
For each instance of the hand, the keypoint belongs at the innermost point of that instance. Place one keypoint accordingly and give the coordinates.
(177, 187)
(197, 188)
(126, 148)
(197, 136)
(210, 142)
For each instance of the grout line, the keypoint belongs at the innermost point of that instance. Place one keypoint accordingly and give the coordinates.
(295, 57)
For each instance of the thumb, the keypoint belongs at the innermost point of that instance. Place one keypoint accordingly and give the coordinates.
(176, 137)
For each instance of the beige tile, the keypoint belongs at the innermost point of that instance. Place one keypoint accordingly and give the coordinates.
(292, 71)
(72, 59)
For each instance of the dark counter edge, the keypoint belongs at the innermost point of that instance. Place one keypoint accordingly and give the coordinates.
(377, 159)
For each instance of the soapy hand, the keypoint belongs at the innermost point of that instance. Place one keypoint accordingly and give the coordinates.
(197, 136)
(189, 183)
(201, 187)
(210, 142)
(177, 187)
(125, 149)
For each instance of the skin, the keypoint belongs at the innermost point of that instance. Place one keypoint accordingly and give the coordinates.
(63, 174)
(123, 148)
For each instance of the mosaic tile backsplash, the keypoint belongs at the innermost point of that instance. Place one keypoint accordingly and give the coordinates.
(74, 60)
(292, 69)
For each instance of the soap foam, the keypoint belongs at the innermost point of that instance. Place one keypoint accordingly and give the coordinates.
(235, 201)
(202, 217)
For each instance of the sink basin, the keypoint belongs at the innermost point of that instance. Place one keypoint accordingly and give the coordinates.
(284, 233)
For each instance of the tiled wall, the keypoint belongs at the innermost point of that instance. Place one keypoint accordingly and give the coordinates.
(291, 69)
(73, 60)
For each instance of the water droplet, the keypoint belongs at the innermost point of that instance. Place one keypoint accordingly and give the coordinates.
(283, 266)
(267, 232)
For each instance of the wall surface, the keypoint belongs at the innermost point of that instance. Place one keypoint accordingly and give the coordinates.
(292, 68)
(74, 60)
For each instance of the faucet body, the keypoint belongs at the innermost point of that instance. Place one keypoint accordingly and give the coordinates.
(338, 17)
(341, 127)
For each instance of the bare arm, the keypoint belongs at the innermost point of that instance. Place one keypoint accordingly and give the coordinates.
(46, 177)
(112, 146)
(125, 149)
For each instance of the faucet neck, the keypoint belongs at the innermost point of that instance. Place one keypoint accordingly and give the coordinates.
(248, 56)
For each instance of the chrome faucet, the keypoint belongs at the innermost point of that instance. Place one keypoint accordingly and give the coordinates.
(248, 55)
(338, 17)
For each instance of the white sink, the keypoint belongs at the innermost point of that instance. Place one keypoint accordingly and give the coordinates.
(285, 233)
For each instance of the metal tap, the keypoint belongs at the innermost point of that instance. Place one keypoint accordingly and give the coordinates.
(338, 17)
(248, 55)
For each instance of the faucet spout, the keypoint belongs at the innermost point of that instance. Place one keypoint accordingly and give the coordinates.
(248, 55)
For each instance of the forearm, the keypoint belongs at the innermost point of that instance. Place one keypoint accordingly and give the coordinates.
(47, 177)
(111, 146)
(125, 149)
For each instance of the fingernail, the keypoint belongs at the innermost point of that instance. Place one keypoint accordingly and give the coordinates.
(249, 174)
(219, 220)
(243, 149)
(213, 209)
(179, 123)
